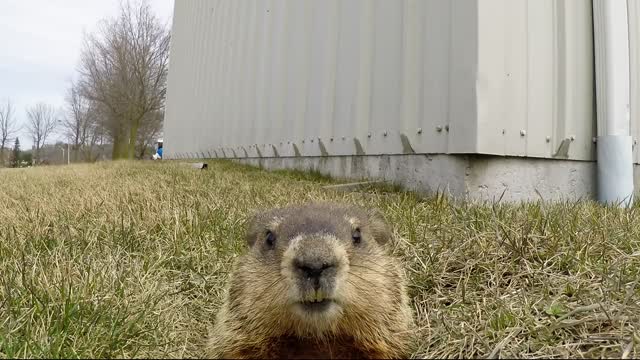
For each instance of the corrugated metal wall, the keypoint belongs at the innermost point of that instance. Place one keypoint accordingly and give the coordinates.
(329, 77)
(266, 78)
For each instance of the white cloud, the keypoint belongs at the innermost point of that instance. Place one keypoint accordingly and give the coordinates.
(40, 43)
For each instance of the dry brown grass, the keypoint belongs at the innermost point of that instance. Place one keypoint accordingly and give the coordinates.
(130, 259)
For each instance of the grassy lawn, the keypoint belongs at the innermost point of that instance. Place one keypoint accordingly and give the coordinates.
(130, 259)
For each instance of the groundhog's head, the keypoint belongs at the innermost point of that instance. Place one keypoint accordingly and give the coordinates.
(313, 263)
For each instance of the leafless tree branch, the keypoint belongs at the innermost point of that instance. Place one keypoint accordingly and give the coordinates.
(8, 127)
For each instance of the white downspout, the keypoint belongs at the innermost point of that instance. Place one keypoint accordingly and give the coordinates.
(614, 144)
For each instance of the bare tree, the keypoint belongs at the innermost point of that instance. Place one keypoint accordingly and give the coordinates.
(96, 139)
(42, 122)
(124, 68)
(78, 123)
(8, 127)
(96, 133)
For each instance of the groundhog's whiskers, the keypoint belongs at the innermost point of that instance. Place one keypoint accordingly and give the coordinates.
(366, 281)
(379, 272)
(270, 287)
(358, 286)
(373, 254)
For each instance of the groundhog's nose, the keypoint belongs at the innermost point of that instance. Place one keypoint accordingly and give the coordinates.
(313, 271)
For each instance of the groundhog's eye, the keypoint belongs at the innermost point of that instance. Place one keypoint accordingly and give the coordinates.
(356, 236)
(270, 238)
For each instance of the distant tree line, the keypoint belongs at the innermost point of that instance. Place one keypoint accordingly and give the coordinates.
(18, 157)
(118, 96)
(41, 123)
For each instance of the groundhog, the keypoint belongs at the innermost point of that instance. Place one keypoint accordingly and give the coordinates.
(316, 282)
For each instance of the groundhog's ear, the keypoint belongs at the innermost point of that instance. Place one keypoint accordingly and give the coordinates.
(380, 229)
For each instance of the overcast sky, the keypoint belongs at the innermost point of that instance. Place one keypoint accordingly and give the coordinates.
(40, 43)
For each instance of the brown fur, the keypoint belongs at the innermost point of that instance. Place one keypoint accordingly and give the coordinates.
(373, 319)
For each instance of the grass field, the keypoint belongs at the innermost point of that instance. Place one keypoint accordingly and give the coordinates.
(129, 260)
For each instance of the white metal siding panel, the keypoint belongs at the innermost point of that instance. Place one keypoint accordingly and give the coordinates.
(246, 89)
(346, 79)
(226, 126)
(540, 92)
(263, 62)
(211, 97)
(208, 132)
(208, 128)
(386, 83)
(411, 71)
(193, 89)
(461, 129)
(297, 75)
(233, 72)
(199, 109)
(256, 89)
(278, 80)
(321, 75)
(365, 76)
(535, 78)
(220, 56)
(579, 115)
(319, 92)
(463, 69)
(436, 52)
(179, 42)
(501, 82)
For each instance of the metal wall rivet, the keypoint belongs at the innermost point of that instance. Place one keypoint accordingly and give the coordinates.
(439, 128)
(419, 130)
(523, 132)
(594, 139)
(343, 138)
(504, 131)
(384, 133)
(572, 137)
(331, 139)
(369, 135)
(446, 127)
(548, 138)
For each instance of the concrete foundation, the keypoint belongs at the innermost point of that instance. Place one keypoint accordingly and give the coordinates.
(469, 177)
